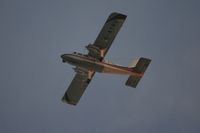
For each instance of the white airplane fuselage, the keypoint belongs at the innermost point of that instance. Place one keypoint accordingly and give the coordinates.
(92, 64)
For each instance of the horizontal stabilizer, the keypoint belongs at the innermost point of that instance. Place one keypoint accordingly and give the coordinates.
(140, 67)
(133, 81)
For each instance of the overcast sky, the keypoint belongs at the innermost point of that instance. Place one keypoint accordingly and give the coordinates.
(33, 79)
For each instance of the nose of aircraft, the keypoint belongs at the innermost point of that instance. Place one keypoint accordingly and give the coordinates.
(64, 57)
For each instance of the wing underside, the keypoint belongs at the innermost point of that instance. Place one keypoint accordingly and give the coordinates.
(101, 45)
(77, 87)
(107, 34)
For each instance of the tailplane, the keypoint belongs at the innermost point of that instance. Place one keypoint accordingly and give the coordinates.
(139, 66)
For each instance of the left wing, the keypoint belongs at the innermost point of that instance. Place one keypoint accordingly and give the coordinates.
(78, 86)
(106, 36)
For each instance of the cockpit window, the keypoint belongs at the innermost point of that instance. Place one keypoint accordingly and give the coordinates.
(77, 53)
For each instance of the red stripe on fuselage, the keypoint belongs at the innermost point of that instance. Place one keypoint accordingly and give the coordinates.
(113, 65)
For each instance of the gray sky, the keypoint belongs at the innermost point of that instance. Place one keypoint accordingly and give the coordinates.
(34, 33)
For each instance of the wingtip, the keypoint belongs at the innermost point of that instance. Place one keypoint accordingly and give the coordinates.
(117, 13)
(66, 99)
(115, 16)
(149, 60)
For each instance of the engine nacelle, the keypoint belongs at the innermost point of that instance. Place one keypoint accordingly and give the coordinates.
(93, 49)
(96, 50)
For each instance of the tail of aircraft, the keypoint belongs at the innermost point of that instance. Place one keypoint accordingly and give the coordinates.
(139, 65)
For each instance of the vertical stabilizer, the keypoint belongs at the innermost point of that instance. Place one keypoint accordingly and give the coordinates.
(133, 63)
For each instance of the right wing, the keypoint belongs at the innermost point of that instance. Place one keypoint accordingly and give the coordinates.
(77, 86)
(106, 36)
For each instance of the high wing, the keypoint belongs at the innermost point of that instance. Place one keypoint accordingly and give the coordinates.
(98, 51)
(105, 38)
(78, 86)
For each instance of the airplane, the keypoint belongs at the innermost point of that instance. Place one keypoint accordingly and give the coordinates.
(87, 64)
